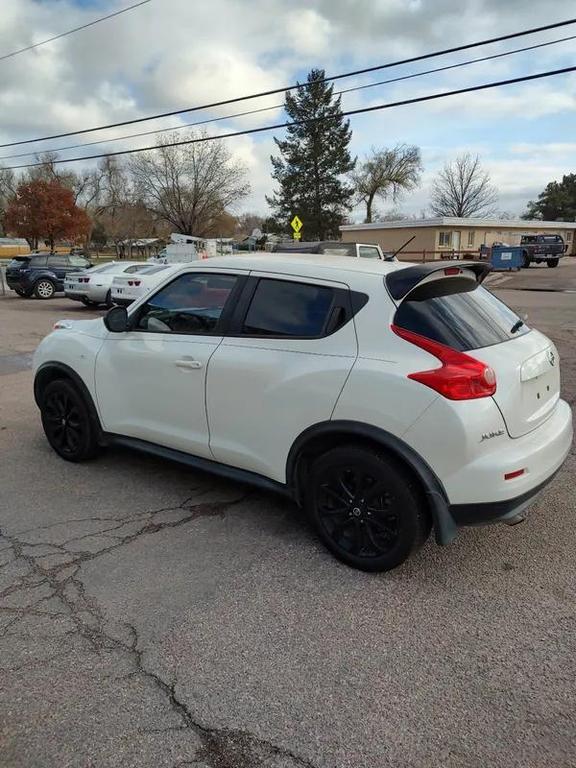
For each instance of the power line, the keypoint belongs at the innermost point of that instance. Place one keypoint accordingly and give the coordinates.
(224, 102)
(279, 106)
(248, 131)
(71, 31)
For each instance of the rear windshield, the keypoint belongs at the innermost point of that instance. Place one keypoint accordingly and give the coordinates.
(102, 268)
(459, 313)
(154, 270)
(19, 261)
(337, 250)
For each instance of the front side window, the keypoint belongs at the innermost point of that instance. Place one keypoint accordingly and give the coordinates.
(368, 252)
(445, 238)
(38, 261)
(191, 304)
(285, 308)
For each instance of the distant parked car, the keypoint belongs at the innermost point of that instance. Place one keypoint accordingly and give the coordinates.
(127, 288)
(335, 248)
(93, 286)
(542, 248)
(42, 274)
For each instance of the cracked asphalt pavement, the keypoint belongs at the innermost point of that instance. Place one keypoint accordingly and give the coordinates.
(152, 616)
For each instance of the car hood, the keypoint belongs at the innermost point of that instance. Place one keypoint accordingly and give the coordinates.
(94, 327)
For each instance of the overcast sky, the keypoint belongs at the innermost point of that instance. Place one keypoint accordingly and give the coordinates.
(171, 54)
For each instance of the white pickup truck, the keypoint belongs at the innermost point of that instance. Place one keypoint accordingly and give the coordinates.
(336, 248)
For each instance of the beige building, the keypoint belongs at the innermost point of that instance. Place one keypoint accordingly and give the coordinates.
(435, 237)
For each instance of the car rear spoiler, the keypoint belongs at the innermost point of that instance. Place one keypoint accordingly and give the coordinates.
(402, 281)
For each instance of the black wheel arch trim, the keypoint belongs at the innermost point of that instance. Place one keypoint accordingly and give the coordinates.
(444, 526)
(70, 373)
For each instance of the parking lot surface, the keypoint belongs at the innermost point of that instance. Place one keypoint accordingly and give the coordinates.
(152, 616)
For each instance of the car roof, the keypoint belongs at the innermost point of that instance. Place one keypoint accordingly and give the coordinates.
(301, 264)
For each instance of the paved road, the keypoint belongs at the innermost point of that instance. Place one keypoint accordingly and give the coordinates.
(151, 616)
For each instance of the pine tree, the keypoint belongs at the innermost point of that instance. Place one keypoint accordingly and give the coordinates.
(314, 157)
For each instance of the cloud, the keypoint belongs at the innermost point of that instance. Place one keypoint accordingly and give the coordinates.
(171, 54)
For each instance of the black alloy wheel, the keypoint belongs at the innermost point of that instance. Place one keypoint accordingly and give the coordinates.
(552, 262)
(66, 422)
(366, 508)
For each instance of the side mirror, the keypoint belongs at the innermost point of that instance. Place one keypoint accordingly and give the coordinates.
(116, 320)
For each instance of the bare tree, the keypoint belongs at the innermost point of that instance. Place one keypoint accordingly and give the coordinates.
(189, 186)
(386, 173)
(8, 184)
(463, 189)
(116, 207)
(81, 184)
(246, 223)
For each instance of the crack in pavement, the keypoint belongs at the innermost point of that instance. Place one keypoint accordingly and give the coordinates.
(220, 747)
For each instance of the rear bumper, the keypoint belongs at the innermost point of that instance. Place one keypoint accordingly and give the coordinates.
(496, 511)
(75, 295)
(122, 302)
(18, 285)
(541, 454)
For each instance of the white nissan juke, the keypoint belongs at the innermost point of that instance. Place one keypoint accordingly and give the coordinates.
(387, 399)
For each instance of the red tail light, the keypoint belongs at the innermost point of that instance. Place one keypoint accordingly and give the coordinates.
(460, 377)
(130, 282)
(137, 282)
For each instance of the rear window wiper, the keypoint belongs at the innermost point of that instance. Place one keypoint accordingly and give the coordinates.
(517, 325)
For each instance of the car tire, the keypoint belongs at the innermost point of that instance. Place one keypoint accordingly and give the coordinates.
(526, 261)
(86, 302)
(108, 300)
(44, 289)
(366, 508)
(552, 262)
(23, 294)
(66, 421)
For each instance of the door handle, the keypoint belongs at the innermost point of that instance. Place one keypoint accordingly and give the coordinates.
(188, 363)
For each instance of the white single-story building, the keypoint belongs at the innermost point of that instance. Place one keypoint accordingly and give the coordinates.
(438, 236)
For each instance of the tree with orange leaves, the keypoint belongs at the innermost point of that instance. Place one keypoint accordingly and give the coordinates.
(45, 210)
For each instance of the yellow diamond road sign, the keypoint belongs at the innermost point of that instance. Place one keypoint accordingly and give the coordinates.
(296, 224)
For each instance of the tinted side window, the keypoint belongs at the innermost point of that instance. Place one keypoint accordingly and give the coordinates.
(57, 261)
(38, 261)
(459, 313)
(191, 304)
(285, 308)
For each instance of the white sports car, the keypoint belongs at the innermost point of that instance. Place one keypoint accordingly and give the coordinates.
(127, 288)
(92, 286)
